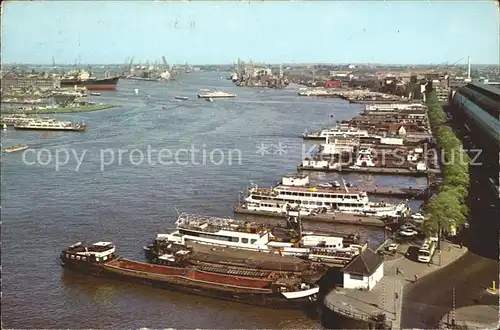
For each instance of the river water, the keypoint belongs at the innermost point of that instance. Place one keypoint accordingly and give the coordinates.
(103, 190)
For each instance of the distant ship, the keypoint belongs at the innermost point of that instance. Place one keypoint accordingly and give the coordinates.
(216, 94)
(108, 84)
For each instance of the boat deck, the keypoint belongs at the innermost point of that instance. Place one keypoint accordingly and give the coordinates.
(246, 258)
(343, 218)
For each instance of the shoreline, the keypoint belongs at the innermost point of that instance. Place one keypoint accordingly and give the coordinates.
(85, 108)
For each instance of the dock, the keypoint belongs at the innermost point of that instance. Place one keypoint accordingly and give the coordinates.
(340, 218)
(372, 170)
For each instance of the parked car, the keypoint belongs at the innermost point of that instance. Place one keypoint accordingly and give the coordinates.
(408, 232)
(417, 216)
(392, 247)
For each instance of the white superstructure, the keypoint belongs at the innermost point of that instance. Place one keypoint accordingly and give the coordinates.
(296, 192)
(256, 237)
(216, 95)
(50, 124)
(340, 131)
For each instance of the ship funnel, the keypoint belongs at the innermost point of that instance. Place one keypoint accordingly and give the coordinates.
(468, 69)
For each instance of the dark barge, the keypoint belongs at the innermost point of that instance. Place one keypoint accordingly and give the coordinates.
(231, 261)
(101, 260)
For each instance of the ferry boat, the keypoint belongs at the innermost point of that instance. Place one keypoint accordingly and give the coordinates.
(19, 118)
(296, 191)
(15, 148)
(251, 236)
(216, 95)
(100, 259)
(342, 130)
(50, 124)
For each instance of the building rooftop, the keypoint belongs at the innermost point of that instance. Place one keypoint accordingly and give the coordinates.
(489, 89)
(366, 263)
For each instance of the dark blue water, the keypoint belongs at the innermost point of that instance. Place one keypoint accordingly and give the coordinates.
(127, 201)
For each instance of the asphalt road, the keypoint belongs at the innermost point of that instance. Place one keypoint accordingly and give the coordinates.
(462, 283)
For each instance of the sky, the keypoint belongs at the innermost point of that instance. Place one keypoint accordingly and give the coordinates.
(211, 32)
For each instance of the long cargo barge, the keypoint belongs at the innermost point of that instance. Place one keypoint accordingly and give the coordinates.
(101, 260)
(106, 84)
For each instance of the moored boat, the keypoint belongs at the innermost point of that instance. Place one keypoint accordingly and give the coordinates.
(296, 191)
(290, 240)
(232, 261)
(100, 259)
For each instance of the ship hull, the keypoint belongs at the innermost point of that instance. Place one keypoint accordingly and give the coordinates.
(108, 84)
(274, 300)
(215, 97)
(80, 129)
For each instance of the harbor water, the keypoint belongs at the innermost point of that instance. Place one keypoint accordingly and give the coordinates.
(125, 179)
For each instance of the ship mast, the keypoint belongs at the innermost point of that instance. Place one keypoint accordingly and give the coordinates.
(345, 186)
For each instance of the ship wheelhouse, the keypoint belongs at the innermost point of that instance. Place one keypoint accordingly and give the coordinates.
(96, 253)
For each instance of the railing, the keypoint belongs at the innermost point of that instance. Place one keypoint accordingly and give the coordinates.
(365, 317)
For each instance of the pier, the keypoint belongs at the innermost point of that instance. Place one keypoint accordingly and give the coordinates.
(372, 170)
(383, 304)
(341, 218)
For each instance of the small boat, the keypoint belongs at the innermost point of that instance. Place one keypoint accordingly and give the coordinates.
(163, 107)
(95, 94)
(216, 94)
(4, 126)
(210, 99)
(136, 91)
(184, 98)
(100, 259)
(16, 148)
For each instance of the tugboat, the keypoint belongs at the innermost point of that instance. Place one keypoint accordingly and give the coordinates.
(100, 259)
(50, 124)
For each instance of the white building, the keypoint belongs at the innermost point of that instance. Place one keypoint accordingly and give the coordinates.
(364, 271)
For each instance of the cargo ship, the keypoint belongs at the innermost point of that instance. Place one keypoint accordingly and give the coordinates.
(232, 261)
(92, 84)
(100, 259)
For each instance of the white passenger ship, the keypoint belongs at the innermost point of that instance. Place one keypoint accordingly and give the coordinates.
(342, 130)
(260, 237)
(50, 124)
(216, 95)
(295, 191)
